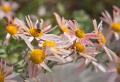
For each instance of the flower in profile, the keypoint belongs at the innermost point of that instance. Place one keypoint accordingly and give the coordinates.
(62, 22)
(102, 40)
(113, 22)
(7, 8)
(6, 73)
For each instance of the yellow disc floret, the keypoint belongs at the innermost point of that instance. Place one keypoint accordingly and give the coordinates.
(116, 27)
(6, 8)
(65, 29)
(12, 29)
(37, 56)
(2, 77)
(35, 32)
(49, 43)
(102, 39)
(80, 33)
(79, 47)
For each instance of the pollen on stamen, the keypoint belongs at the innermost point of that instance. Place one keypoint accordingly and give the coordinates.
(48, 43)
(35, 32)
(2, 76)
(79, 47)
(6, 8)
(37, 56)
(116, 27)
(80, 33)
(12, 29)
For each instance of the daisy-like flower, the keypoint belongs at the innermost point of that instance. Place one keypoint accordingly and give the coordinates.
(37, 58)
(88, 53)
(6, 74)
(113, 22)
(62, 22)
(57, 49)
(72, 31)
(102, 40)
(7, 8)
(14, 28)
(80, 34)
(36, 30)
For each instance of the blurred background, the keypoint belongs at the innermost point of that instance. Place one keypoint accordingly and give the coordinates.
(81, 10)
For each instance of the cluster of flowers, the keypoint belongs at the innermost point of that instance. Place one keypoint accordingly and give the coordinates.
(73, 42)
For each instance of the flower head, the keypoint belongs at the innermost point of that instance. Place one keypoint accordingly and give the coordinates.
(6, 72)
(113, 22)
(37, 56)
(7, 8)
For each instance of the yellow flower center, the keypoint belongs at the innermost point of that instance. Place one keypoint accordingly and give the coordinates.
(118, 69)
(65, 29)
(80, 33)
(12, 29)
(48, 43)
(79, 47)
(116, 27)
(2, 77)
(37, 56)
(35, 32)
(6, 8)
(102, 39)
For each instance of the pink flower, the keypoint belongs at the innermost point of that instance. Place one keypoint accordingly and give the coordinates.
(113, 22)
(6, 73)
(102, 40)
(7, 8)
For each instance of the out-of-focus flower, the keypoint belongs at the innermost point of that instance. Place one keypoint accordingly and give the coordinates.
(14, 28)
(7, 8)
(113, 22)
(42, 11)
(6, 73)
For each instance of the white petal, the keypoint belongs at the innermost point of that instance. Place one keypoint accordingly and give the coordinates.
(53, 58)
(27, 42)
(58, 18)
(99, 66)
(45, 67)
(117, 37)
(11, 76)
(10, 81)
